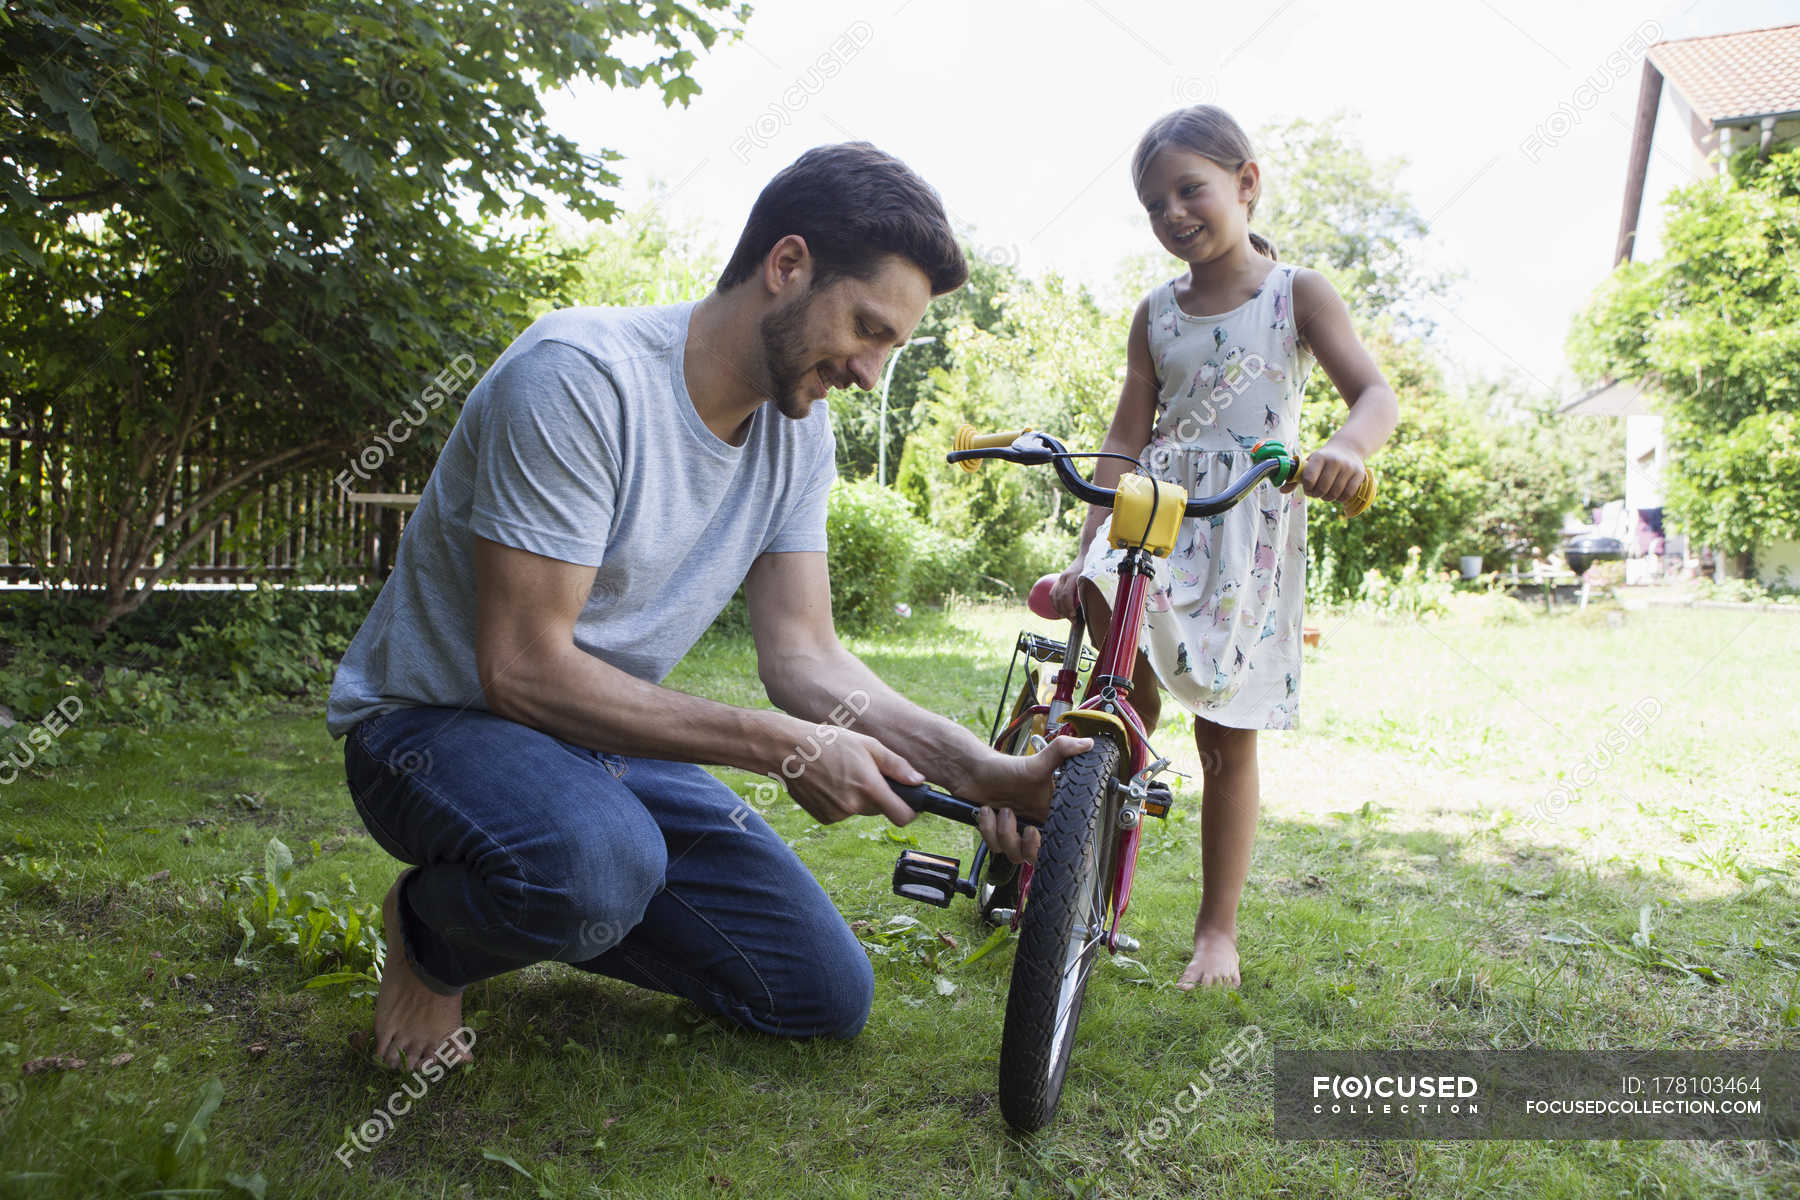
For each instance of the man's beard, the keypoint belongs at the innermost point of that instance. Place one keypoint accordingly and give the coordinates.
(784, 356)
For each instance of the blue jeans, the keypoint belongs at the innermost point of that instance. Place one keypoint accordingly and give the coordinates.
(527, 848)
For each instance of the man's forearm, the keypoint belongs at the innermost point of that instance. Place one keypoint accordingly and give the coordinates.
(579, 698)
(824, 688)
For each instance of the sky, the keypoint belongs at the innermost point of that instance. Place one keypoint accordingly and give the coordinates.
(1514, 117)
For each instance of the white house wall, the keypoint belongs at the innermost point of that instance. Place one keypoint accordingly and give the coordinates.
(1644, 457)
(1778, 563)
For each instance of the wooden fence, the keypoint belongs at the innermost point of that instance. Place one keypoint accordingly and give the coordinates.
(303, 522)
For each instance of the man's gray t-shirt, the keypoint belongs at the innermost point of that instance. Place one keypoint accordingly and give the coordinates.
(582, 444)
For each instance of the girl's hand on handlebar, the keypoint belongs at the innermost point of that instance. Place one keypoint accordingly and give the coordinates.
(1065, 592)
(1331, 473)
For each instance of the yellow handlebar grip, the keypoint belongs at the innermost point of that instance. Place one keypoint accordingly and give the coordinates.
(1365, 492)
(1365, 495)
(968, 439)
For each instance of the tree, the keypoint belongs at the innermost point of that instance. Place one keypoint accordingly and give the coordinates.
(857, 420)
(1430, 479)
(232, 232)
(1329, 206)
(1054, 361)
(1714, 328)
(640, 259)
(1537, 467)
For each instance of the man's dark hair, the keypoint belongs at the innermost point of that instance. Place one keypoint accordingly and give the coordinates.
(854, 205)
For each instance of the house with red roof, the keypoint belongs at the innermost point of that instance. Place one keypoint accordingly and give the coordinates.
(1729, 91)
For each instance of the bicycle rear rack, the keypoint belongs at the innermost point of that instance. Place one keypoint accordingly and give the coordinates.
(1042, 649)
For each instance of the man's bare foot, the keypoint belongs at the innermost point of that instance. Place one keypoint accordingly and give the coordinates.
(1215, 961)
(412, 1022)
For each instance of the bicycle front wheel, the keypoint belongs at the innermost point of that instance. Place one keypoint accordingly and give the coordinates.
(1060, 936)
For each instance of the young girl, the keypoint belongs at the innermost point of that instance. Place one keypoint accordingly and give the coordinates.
(1222, 630)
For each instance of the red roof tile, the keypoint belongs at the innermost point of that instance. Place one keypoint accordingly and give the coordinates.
(1734, 77)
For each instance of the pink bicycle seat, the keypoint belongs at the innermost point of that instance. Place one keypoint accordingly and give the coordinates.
(1040, 599)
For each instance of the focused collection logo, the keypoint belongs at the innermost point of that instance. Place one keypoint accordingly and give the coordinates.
(1385, 1094)
(1537, 1094)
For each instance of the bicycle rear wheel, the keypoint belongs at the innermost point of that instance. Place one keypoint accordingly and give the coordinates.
(1060, 936)
(997, 894)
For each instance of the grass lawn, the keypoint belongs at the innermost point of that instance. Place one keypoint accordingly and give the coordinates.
(1455, 851)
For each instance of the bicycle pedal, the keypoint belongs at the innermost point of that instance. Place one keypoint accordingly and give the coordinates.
(932, 878)
(1159, 797)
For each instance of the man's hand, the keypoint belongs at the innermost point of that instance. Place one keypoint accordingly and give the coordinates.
(1000, 830)
(1022, 782)
(847, 778)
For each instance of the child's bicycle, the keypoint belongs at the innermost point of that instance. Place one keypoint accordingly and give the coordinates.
(1069, 905)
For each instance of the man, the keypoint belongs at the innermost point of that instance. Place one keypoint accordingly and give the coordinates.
(610, 482)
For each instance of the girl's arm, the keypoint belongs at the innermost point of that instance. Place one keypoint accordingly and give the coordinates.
(1334, 471)
(1131, 423)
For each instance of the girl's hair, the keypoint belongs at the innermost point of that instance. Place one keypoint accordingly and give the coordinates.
(1209, 131)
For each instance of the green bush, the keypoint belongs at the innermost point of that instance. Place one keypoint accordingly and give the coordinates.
(942, 563)
(1417, 594)
(1431, 485)
(1002, 513)
(1747, 591)
(1537, 469)
(880, 554)
(1046, 549)
(1494, 606)
(1741, 487)
(182, 656)
(872, 534)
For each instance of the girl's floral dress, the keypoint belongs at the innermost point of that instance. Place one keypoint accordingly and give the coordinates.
(1223, 621)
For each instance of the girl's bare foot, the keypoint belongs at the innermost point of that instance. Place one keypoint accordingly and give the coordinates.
(412, 1022)
(1215, 961)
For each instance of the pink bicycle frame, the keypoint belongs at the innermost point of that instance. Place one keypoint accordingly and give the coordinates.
(1109, 687)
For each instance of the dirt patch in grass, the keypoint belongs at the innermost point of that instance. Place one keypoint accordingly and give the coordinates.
(113, 907)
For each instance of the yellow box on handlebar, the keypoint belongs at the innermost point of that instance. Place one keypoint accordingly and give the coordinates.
(1147, 512)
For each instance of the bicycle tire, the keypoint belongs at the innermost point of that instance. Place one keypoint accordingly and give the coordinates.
(1052, 964)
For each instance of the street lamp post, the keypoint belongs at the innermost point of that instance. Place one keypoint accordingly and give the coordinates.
(886, 382)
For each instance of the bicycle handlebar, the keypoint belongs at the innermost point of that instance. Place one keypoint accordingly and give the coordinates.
(1274, 460)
